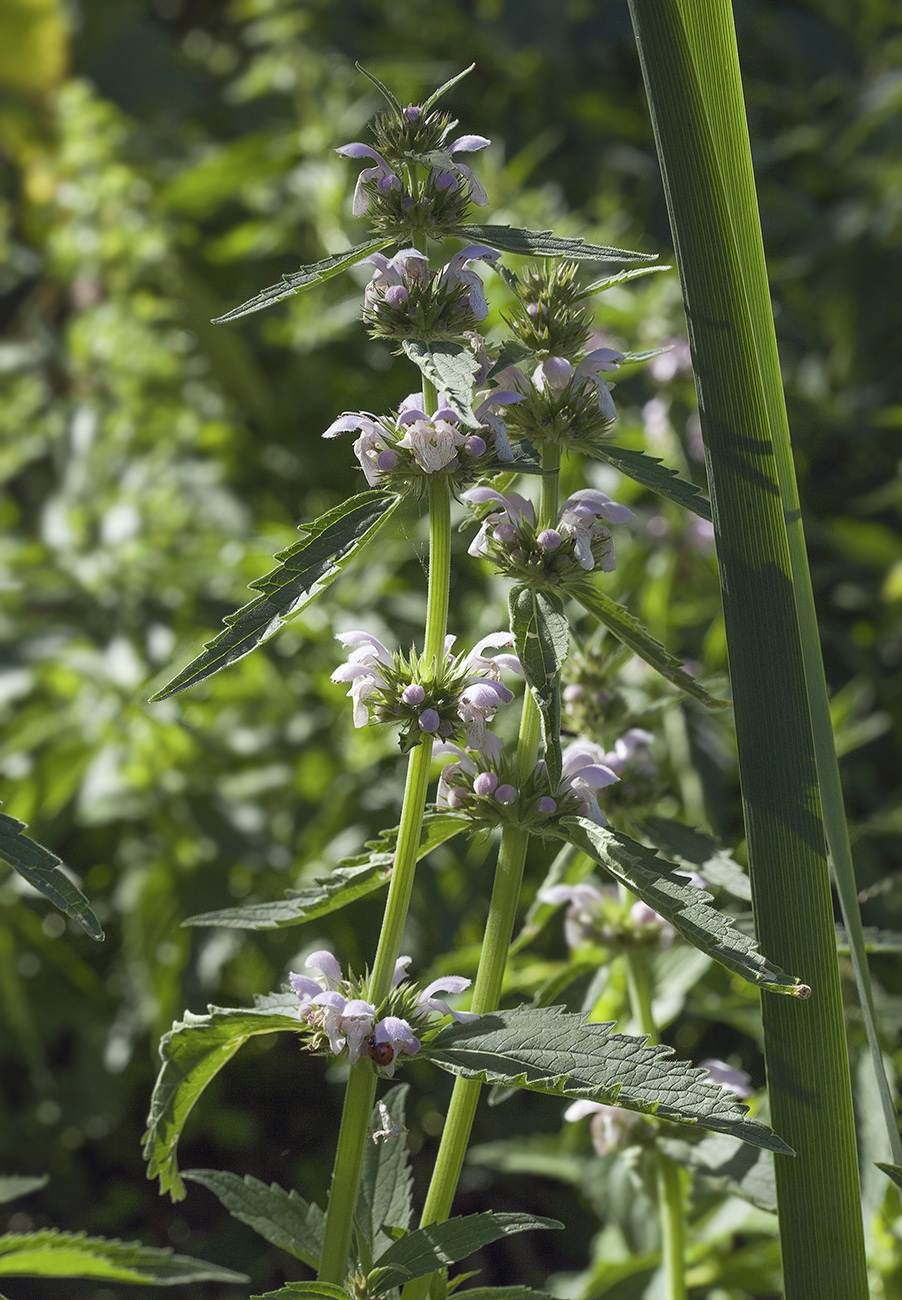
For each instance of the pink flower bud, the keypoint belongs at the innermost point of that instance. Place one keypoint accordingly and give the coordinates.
(547, 805)
(549, 539)
(413, 694)
(428, 720)
(486, 783)
(474, 446)
(505, 794)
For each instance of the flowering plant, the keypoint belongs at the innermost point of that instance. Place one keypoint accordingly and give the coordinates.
(482, 416)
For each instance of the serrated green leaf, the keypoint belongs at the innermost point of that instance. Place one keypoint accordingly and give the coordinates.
(545, 243)
(283, 1218)
(542, 639)
(12, 1186)
(892, 1171)
(620, 277)
(452, 368)
(687, 909)
(384, 91)
(428, 1249)
(304, 570)
(193, 1053)
(51, 1253)
(504, 1293)
(305, 278)
(653, 474)
(733, 1167)
(698, 851)
(552, 1051)
(41, 869)
(446, 86)
(385, 1186)
(353, 878)
(512, 352)
(626, 628)
(307, 1290)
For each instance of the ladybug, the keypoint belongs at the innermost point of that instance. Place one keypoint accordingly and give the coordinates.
(381, 1053)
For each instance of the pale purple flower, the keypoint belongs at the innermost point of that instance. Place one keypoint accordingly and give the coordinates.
(382, 174)
(580, 518)
(645, 916)
(502, 524)
(456, 272)
(629, 748)
(450, 179)
(583, 773)
(392, 276)
(581, 920)
(735, 1081)
(446, 984)
(362, 670)
(610, 1124)
(433, 443)
(372, 443)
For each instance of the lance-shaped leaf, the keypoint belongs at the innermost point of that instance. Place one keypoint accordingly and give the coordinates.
(653, 474)
(51, 1253)
(12, 1186)
(733, 1167)
(193, 1052)
(41, 869)
(304, 570)
(384, 1200)
(892, 1171)
(283, 1218)
(305, 278)
(687, 909)
(541, 639)
(699, 852)
(353, 878)
(428, 1249)
(620, 277)
(545, 243)
(305, 1291)
(619, 621)
(452, 368)
(549, 1050)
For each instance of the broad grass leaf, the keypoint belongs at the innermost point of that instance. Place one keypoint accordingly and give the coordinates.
(304, 570)
(193, 1053)
(552, 1051)
(687, 909)
(305, 278)
(41, 869)
(353, 878)
(283, 1218)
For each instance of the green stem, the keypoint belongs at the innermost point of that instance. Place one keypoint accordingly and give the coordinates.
(499, 929)
(352, 1139)
(361, 1091)
(670, 1187)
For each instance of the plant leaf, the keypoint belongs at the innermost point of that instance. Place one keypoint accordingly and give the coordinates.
(445, 86)
(619, 621)
(384, 90)
(620, 277)
(541, 640)
(283, 1218)
(308, 1290)
(353, 878)
(504, 1293)
(385, 1187)
(699, 852)
(549, 1050)
(51, 1253)
(12, 1186)
(428, 1249)
(733, 1167)
(687, 909)
(452, 368)
(892, 1171)
(305, 278)
(653, 474)
(304, 570)
(545, 243)
(41, 869)
(193, 1052)
(874, 940)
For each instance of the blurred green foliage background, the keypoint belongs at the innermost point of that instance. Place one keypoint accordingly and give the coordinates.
(161, 162)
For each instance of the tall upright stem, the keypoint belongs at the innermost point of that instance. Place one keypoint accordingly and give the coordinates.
(361, 1091)
(496, 944)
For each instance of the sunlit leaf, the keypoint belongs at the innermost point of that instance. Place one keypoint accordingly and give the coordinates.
(51, 1253)
(41, 869)
(653, 474)
(304, 570)
(552, 1051)
(305, 278)
(385, 1185)
(545, 243)
(452, 368)
(283, 1218)
(733, 1167)
(541, 639)
(688, 910)
(12, 1186)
